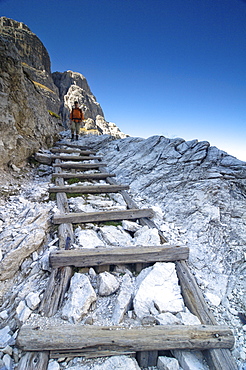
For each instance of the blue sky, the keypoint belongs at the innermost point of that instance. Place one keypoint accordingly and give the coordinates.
(157, 67)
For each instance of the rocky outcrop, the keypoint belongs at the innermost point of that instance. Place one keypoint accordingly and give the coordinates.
(72, 87)
(27, 94)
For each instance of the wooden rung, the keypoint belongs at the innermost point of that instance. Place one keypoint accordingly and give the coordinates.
(85, 166)
(94, 189)
(71, 145)
(90, 354)
(161, 337)
(85, 176)
(81, 152)
(73, 157)
(119, 255)
(76, 218)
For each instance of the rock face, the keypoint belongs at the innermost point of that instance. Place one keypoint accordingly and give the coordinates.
(74, 87)
(27, 94)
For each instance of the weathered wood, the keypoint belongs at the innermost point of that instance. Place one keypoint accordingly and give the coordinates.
(71, 145)
(81, 152)
(34, 361)
(160, 337)
(147, 358)
(129, 214)
(60, 278)
(81, 166)
(218, 359)
(91, 353)
(94, 189)
(84, 176)
(73, 157)
(122, 255)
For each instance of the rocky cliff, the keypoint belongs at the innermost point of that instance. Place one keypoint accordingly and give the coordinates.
(27, 94)
(74, 87)
(32, 98)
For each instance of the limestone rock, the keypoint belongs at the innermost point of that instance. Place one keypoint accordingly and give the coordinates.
(88, 239)
(158, 291)
(146, 236)
(6, 337)
(124, 299)
(118, 363)
(27, 94)
(108, 284)
(168, 318)
(187, 318)
(32, 300)
(11, 263)
(190, 360)
(167, 363)
(80, 297)
(23, 312)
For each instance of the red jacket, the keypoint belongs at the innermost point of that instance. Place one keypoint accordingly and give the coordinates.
(77, 115)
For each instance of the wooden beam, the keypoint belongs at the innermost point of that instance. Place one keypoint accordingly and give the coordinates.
(85, 176)
(73, 157)
(218, 359)
(34, 361)
(93, 189)
(121, 255)
(71, 145)
(81, 152)
(85, 166)
(76, 218)
(161, 337)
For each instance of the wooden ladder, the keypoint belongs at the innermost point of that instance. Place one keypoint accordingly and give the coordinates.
(93, 341)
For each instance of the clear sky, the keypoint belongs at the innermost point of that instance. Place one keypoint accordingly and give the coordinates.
(157, 67)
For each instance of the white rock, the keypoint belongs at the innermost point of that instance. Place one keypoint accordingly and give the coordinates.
(108, 284)
(80, 297)
(89, 239)
(146, 236)
(5, 337)
(167, 363)
(213, 299)
(8, 350)
(118, 363)
(8, 362)
(124, 299)
(168, 318)
(130, 226)
(32, 300)
(115, 236)
(190, 360)
(4, 315)
(53, 365)
(187, 318)
(23, 312)
(158, 292)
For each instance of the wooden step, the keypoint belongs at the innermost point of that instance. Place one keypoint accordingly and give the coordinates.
(160, 337)
(120, 255)
(94, 189)
(76, 218)
(85, 176)
(74, 157)
(72, 145)
(81, 152)
(81, 166)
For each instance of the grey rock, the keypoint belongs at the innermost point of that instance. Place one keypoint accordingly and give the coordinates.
(80, 297)
(167, 363)
(108, 284)
(124, 299)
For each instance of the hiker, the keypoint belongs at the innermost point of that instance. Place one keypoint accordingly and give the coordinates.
(76, 117)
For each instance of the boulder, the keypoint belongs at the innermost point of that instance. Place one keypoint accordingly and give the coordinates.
(158, 291)
(124, 299)
(108, 284)
(167, 363)
(79, 298)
